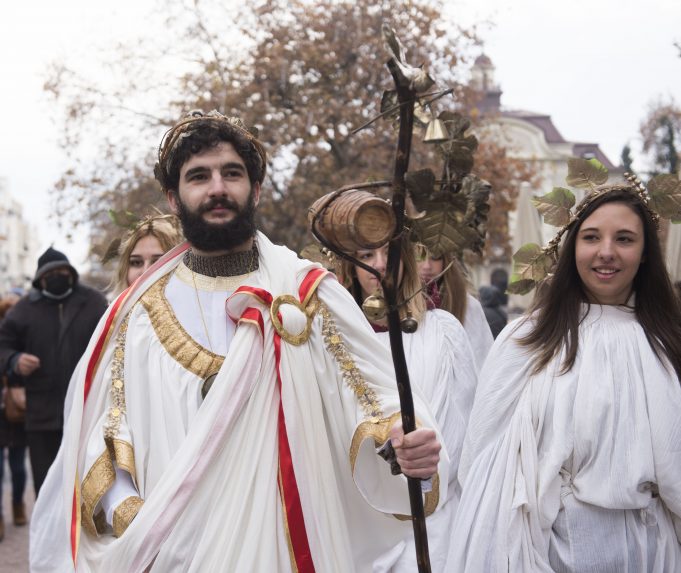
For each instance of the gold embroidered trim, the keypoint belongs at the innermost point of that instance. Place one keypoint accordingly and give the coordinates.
(96, 483)
(174, 338)
(126, 511)
(117, 390)
(366, 397)
(100, 521)
(379, 430)
(124, 455)
(211, 284)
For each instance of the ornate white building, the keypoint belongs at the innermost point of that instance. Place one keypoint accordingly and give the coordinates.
(532, 137)
(18, 244)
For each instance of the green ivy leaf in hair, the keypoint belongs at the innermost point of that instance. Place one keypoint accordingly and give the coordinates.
(586, 173)
(555, 206)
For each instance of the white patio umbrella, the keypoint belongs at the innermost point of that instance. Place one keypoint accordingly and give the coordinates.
(526, 227)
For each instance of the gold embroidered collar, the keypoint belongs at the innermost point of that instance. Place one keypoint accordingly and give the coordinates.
(172, 335)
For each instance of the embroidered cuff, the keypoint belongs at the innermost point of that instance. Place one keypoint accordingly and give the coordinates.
(125, 513)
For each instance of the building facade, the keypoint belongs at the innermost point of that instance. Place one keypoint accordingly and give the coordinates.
(18, 244)
(531, 137)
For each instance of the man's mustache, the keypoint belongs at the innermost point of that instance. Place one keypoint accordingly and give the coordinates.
(223, 202)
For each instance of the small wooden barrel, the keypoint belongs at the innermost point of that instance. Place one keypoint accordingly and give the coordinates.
(353, 220)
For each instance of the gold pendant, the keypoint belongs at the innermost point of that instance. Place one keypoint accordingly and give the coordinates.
(207, 385)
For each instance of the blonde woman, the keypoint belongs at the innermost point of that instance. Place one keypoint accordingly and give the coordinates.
(142, 247)
(441, 365)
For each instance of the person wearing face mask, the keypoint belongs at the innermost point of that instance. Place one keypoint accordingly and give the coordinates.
(41, 340)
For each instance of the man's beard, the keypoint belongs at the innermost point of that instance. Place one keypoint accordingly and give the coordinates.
(211, 237)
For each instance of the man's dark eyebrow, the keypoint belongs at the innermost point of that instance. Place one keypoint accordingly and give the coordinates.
(234, 165)
(202, 169)
(194, 171)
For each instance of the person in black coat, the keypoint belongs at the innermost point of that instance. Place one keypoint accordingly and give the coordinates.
(41, 339)
(491, 299)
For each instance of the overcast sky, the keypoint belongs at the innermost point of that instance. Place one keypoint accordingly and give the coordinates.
(594, 66)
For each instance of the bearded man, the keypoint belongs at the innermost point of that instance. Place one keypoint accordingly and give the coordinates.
(227, 412)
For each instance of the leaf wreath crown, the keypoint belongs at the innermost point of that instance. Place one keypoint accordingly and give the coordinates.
(532, 264)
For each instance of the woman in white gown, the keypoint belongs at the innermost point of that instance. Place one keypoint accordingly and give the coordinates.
(450, 293)
(572, 459)
(442, 366)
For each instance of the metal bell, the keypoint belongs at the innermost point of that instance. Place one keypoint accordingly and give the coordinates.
(436, 132)
(408, 324)
(374, 307)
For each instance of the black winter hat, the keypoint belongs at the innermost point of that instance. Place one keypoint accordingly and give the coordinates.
(52, 259)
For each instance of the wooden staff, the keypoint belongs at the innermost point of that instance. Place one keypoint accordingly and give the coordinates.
(406, 98)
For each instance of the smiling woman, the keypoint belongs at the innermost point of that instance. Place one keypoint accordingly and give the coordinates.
(571, 459)
(608, 253)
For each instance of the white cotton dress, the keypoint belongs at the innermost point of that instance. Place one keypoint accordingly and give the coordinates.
(579, 472)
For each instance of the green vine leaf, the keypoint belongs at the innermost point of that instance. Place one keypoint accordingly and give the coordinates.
(111, 251)
(555, 206)
(585, 173)
(521, 286)
(454, 221)
(530, 266)
(665, 196)
(420, 186)
(124, 219)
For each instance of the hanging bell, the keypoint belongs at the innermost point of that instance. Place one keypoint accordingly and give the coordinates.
(408, 325)
(436, 132)
(374, 307)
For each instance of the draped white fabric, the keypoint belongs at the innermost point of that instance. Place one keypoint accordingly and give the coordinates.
(207, 471)
(478, 331)
(442, 365)
(561, 472)
(673, 252)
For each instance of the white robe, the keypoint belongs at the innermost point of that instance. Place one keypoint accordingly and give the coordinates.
(561, 472)
(478, 330)
(208, 470)
(441, 364)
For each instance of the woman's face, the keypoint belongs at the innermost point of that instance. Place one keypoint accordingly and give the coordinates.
(430, 268)
(147, 251)
(608, 252)
(378, 260)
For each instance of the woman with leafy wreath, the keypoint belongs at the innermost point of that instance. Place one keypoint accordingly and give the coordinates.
(571, 462)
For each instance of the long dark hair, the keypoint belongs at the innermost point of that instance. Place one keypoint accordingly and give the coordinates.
(556, 310)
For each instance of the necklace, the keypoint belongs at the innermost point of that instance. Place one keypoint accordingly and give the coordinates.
(203, 320)
(229, 265)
